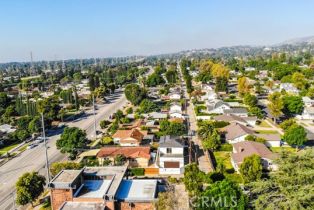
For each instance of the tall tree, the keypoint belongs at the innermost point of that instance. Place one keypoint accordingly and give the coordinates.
(213, 141)
(295, 135)
(134, 93)
(223, 195)
(251, 168)
(28, 187)
(72, 140)
(289, 187)
(243, 86)
(275, 105)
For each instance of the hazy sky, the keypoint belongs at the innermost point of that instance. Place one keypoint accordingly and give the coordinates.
(100, 28)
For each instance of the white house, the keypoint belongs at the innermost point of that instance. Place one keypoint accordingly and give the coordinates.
(217, 107)
(175, 96)
(236, 132)
(272, 140)
(249, 68)
(289, 87)
(244, 149)
(308, 101)
(176, 114)
(176, 107)
(238, 111)
(308, 114)
(209, 96)
(170, 158)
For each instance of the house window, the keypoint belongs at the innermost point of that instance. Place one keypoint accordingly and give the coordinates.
(169, 150)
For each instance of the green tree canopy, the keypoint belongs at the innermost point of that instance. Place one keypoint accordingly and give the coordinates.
(295, 135)
(292, 105)
(72, 139)
(134, 93)
(223, 195)
(290, 187)
(212, 142)
(147, 106)
(251, 168)
(250, 100)
(28, 187)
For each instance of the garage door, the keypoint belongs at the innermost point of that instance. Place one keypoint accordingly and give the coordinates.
(172, 164)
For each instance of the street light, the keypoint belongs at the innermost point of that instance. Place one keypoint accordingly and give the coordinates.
(46, 151)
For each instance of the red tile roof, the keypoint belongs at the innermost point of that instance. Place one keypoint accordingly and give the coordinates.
(133, 133)
(129, 152)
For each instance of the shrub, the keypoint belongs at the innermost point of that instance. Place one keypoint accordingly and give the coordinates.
(137, 171)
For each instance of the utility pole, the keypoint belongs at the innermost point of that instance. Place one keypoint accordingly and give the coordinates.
(32, 64)
(13, 202)
(95, 131)
(46, 151)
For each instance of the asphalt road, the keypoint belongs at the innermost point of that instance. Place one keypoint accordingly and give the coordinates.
(34, 159)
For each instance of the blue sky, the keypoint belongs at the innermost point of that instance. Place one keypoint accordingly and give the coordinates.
(65, 29)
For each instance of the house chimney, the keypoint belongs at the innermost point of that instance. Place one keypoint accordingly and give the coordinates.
(241, 149)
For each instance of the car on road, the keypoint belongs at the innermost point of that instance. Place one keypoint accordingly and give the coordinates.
(31, 146)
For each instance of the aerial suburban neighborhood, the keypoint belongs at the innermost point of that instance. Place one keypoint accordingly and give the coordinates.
(208, 128)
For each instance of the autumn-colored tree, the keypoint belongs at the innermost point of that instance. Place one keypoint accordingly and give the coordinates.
(218, 70)
(299, 80)
(275, 105)
(243, 86)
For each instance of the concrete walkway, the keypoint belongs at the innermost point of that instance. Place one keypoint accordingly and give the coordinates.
(204, 162)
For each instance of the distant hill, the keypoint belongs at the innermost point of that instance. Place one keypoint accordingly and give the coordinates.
(308, 39)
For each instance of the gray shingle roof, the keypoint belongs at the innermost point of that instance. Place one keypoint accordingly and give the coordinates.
(170, 141)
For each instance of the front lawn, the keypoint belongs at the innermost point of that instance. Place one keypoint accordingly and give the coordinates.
(282, 149)
(264, 124)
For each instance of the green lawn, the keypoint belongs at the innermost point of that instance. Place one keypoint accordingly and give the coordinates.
(8, 148)
(264, 124)
(224, 158)
(267, 131)
(281, 149)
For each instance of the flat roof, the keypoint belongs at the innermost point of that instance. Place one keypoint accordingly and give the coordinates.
(66, 176)
(116, 171)
(82, 206)
(137, 190)
(95, 188)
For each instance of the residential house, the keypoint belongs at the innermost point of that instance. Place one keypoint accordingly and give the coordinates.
(289, 88)
(238, 111)
(136, 156)
(170, 155)
(308, 101)
(272, 140)
(249, 68)
(217, 107)
(209, 96)
(6, 128)
(308, 114)
(101, 188)
(175, 96)
(236, 132)
(262, 74)
(158, 116)
(131, 137)
(231, 118)
(244, 149)
(176, 110)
